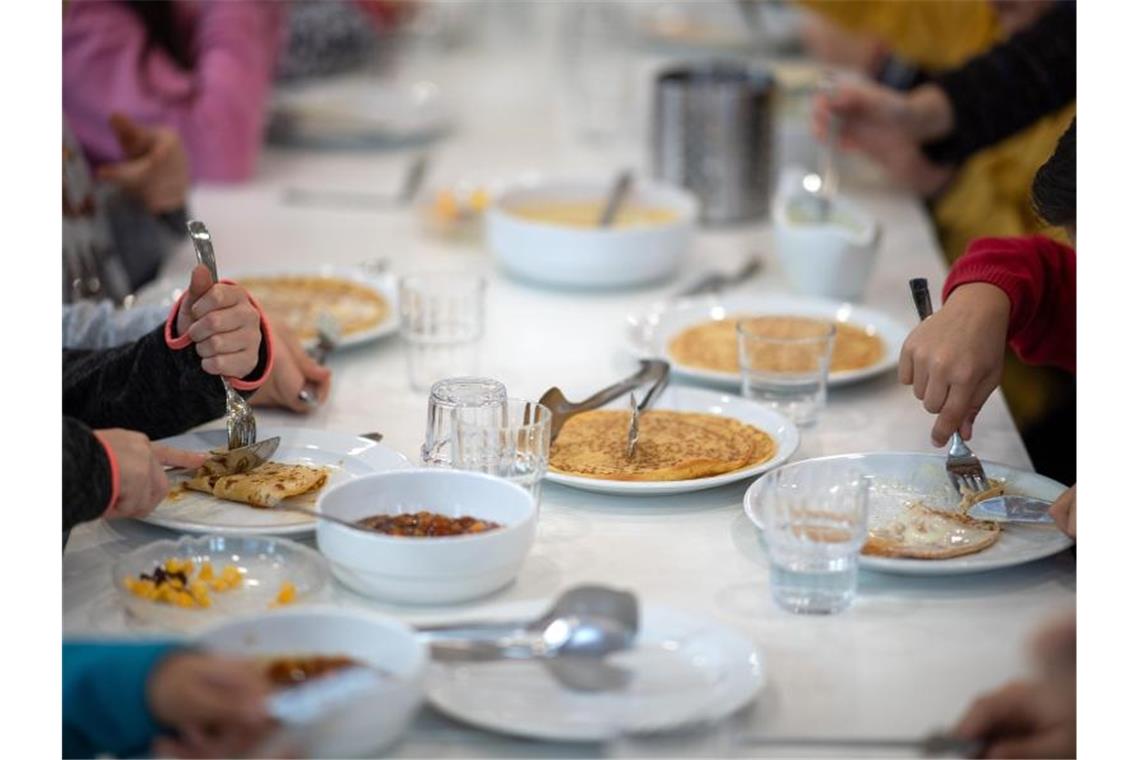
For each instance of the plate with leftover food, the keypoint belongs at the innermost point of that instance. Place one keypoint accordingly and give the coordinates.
(306, 463)
(698, 335)
(685, 670)
(691, 439)
(917, 523)
(184, 584)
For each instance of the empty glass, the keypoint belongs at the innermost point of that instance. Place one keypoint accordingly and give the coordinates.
(784, 363)
(441, 322)
(469, 399)
(815, 523)
(515, 445)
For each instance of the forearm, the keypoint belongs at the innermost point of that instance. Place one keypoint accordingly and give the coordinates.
(105, 706)
(89, 475)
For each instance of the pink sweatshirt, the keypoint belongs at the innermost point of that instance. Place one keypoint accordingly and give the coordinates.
(218, 107)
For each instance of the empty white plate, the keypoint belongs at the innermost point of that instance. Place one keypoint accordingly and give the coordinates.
(686, 670)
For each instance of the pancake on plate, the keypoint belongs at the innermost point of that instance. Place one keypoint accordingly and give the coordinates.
(263, 486)
(711, 345)
(925, 533)
(299, 299)
(671, 446)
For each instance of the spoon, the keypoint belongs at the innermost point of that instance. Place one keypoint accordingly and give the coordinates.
(616, 197)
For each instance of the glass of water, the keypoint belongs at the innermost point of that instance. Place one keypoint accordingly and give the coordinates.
(469, 399)
(815, 524)
(514, 445)
(441, 323)
(784, 363)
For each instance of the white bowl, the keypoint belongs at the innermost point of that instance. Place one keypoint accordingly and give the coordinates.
(371, 722)
(832, 258)
(587, 257)
(440, 570)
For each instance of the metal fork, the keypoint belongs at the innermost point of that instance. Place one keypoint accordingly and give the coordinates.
(328, 336)
(241, 428)
(962, 466)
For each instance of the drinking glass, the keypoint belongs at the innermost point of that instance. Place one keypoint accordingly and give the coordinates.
(784, 364)
(469, 399)
(514, 445)
(441, 323)
(815, 523)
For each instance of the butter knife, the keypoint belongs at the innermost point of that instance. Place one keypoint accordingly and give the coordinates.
(233, 461)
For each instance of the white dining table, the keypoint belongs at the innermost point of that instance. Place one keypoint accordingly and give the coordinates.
(906, 659)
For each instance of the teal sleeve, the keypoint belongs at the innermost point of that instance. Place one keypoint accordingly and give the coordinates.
(104, 697)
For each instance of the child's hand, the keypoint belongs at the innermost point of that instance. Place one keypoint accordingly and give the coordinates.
(156, 169)
(292, 369)
(223, 323)
(216, 705)
(1064, 512)
(142, 481)
(954, 358)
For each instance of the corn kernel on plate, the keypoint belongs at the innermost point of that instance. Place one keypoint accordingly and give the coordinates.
(185, 584)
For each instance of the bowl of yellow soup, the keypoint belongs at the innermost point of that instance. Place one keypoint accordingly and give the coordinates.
(547, 232)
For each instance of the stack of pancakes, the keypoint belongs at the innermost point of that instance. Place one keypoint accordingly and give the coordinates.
(671, 446)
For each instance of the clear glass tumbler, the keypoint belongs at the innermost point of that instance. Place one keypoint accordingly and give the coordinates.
(480, 400)
(515, 445)
(784, 363)
(441, 323)
(815, 524)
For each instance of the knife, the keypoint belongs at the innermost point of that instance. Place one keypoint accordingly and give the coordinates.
(233, 461)
(1013, 509)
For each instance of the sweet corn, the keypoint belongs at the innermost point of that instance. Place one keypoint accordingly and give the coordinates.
(287, 594)
(206, 572)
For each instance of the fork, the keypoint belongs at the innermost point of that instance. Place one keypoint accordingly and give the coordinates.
(962, 466)
(328, 336)
(241, 428)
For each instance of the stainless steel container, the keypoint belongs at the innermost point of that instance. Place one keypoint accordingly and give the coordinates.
(712, 134)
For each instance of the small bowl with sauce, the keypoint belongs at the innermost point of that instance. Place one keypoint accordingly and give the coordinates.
(432, 536)
(547, 232)
(296, 646)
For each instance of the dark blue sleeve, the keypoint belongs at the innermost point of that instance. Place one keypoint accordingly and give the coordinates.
(104, 697)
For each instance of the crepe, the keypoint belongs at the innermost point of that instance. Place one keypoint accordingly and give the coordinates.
(262, 486)
(298, 300)
(712, 345)
(925, 533)
(671, 446)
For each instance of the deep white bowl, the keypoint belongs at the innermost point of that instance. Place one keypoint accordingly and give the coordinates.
(370, 722)
(428, 570)
(586, 257)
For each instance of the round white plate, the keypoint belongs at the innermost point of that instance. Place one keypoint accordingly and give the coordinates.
(649, 334)
(686, 670)
(357, 109)
(346, 456)
(683, 399)
(167, 290)
(899, 478)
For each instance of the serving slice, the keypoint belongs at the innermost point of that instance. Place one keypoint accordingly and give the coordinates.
(922, 532)
(264, 486)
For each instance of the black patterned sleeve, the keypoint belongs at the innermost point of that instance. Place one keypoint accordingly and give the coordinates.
(87, 475)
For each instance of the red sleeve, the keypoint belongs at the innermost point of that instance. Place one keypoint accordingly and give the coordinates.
(1039, 275)
(218, 107)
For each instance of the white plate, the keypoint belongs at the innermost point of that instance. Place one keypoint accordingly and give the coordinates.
(683, 399)
(649, 334)
(686, 670)
(265, 564)
(900, 478)
(346, 456)
(360, 109)
(167, 290)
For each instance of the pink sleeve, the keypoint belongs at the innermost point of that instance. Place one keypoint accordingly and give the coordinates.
(218, 107)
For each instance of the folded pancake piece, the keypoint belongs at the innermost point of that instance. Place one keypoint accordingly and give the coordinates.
(671, 446)
(925, 533)
(262, 486)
